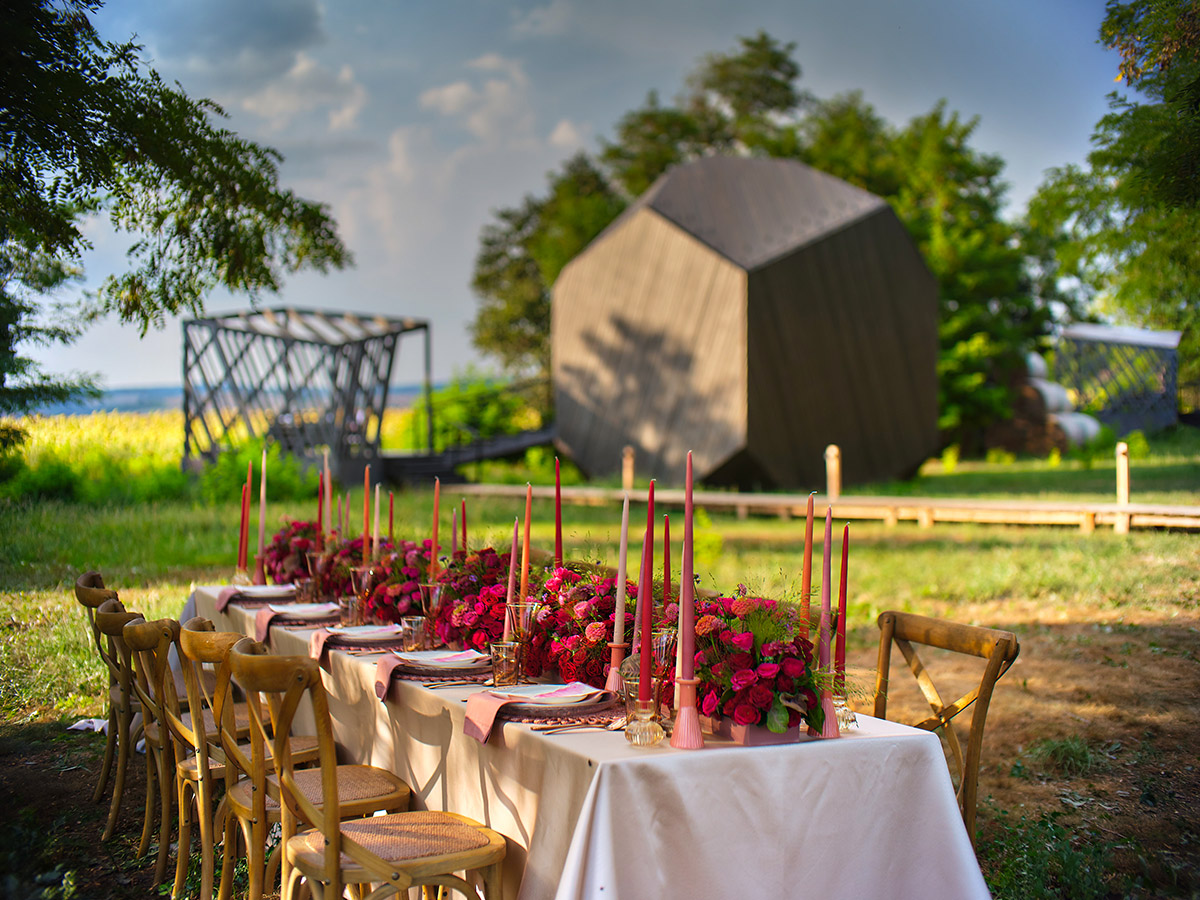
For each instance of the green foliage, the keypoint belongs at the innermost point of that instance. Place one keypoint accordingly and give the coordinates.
(287, 477)
(1139, 446)
(89, 130)
(471, 407)
(1042, 860)
(1101, 448)
(1130, 216)
(1071, 756)
(950, 458)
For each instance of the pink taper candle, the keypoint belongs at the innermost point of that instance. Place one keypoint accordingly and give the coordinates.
(666, 561)
(391, 518)
(622, 575)
(830, 727)
(525, 542)
(241, 545)
(453, 533)
(806, 571)
(558, 547)
(645, 605)
(433, 549)
(328, 490)
(512, 585)
(375, 554)
(463, 520)
(366, 542)
(320, 510)
(262, 507)
(839, 650)
(686, 733)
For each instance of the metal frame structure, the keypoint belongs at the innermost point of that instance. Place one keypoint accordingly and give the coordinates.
(307, 379)
(1125, 377)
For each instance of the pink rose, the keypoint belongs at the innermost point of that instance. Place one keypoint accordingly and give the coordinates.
(743, 640)
(767, 670)
(709, 704)
(761, 696)
(743, 678)
(745, 714)
(792, 667)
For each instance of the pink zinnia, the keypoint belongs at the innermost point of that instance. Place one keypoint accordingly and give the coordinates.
(595, 631)
(742, 606)
(707, 625)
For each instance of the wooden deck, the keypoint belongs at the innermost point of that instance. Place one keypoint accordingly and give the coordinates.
(926, 511)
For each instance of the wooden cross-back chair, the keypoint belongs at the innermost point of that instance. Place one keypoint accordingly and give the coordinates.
(110, 620)
(91, 592)
(149, 642)
(998, 648)
(394, 851)
(223, 734)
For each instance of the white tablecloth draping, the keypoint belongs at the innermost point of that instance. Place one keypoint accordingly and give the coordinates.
(588, 816)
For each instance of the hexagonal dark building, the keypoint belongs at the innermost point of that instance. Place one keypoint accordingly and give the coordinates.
(753, 311)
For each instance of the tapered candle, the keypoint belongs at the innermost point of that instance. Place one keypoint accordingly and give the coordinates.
(433, 549)
(453, 533)
(839, 652)
(246, 526)
(375, 531)
(622, 562)
(262, 507)
(339, 517)
(525, 542)
(512, 584)
(328, 491)
(645, 605)
(320, 511)
(391, 518)
(666, 561)
(806, 572)
(241, 544)
(826, 581)
(558, 550)
(687, 591)
(366, 543)
(642, 599)
(463, 520)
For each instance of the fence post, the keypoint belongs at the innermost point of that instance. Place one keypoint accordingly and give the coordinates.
(833, 472)
(1121, 525)
(627, 468)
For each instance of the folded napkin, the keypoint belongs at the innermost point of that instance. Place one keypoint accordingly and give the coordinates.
(318, 639)
(226, 594)
(233, 592)
(266, 617)
(383, 673)
(481, 714)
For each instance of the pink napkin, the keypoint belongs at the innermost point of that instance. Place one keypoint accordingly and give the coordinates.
(266, 616)
(383, 674)
(316, 642)
(225, 595)
(481, 714)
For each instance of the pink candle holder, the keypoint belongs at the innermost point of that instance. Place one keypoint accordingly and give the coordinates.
(260, 573)
(613, 680)
(686, 734)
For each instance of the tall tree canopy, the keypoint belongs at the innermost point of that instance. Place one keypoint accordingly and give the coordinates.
(86, 129)
(996, 278)
(1131, 215)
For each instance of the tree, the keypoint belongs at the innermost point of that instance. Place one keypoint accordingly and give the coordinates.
(88, 130)
(520, 256)
(1130, 216)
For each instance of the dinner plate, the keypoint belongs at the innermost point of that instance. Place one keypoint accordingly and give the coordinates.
(364, 634)
(302, 610)
(549, 694)
(267, 590)
(445, 659)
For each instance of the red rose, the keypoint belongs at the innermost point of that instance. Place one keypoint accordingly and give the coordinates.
(745, 714)
(709, 704)
(767, 670)
(792, 667)
(761, 696)
(784, 684)
(794, 718)
(741, 661)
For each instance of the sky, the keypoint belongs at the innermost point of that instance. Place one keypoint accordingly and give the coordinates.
(414, 120)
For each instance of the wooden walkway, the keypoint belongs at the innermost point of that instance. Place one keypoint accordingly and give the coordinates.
(926, 511)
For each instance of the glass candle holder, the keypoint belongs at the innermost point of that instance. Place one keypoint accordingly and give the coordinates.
(641, 730)
(506, 662)
(412, 633)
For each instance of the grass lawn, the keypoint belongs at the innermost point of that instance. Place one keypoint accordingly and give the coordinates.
(1090, 761)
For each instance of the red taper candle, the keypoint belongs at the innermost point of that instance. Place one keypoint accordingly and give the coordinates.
(839, 651)
(558, 545)
(525, 543)
(806, 571)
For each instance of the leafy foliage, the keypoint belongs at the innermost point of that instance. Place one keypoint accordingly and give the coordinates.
(1031, 860)
(86, 129)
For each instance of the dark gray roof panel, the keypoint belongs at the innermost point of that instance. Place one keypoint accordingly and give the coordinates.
(753, 210)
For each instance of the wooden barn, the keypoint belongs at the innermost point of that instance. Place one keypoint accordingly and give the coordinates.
(753, 311)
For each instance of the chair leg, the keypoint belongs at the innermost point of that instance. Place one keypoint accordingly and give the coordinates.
(110, 745)
(151, 798)
(184, 854)
(271, 873)
(226, 824)
(256, 852)
(166, 768)
(124, 738)
(491, 882)
(204, 813)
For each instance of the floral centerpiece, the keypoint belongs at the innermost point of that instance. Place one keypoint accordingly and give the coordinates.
(337, 562)
(575, 625)
(753, 665)
(396, 591)
(285, 555)
(471, 607)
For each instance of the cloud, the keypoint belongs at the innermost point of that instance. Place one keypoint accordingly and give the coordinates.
(550, 20)
(567, 135)
(496, 110)
(306, 87)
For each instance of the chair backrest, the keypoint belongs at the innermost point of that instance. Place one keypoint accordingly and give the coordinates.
(149, 642)
(285, 681)
(91, 593)
(201, 644)
(111, 619)
(998, 648)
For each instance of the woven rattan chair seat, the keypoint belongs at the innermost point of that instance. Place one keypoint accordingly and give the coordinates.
(398, 838)
(356, 784)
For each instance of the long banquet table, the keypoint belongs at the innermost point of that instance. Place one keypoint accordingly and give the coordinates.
(586, 815)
